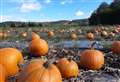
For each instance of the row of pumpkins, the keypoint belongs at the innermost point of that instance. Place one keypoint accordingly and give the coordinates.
(39, 70)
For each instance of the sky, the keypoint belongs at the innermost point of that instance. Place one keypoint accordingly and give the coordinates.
(47, 10)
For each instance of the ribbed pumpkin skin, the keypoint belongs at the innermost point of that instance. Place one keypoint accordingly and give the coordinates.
(10, 58)
(35, 36)
(38, 47)
(116, 47)
(92, 59)
(67, 68)
(2, 74)
(90, 36)
(36, 72)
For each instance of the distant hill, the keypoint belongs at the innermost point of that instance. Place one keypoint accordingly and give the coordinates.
(78, 22)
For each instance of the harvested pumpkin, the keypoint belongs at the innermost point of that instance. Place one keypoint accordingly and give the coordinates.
(50, 33)
(24, 34)
(116, 47)
(92, 59)
(35, 36)
(73, 36)
(68, 68)
(90, 36)
(38, 47)
(104, 34)
(2, 74)
(10, 58)
(39, 71)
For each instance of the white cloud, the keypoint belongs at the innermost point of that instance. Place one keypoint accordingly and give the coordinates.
(47, 1)
(66, 2)
(79, 13)
(4, 18)
(31, 6)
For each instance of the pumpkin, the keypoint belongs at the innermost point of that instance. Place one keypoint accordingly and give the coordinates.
(116, 47)
(50, 33)
(90, 36)
(2, 73)
(115, 31)
(92, 59)
(10, 58)
(35, 36)
(39, 71)
(104, 34)
(38, 47)
(111, 34)
(68, 68)
(73, 36)
(24, 34)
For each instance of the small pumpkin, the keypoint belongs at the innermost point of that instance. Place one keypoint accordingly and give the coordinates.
(35, 36)
(68, 68)
(10, 58)
(39, 71)
(2, 73)
(92, 59)
(38, 47)
(73, 36)
(104, 34)
(24, 34)
(111, 34)
(90, 36)
(116, 47)
(50, 33)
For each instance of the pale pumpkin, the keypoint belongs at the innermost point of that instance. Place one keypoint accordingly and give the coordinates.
(92, 59)
(116, 47)
(10, 58)
(38, 47)
(39, 71)
(2, 74)
(68, 68)
(73, 36)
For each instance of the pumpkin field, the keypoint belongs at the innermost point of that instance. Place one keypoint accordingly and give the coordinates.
(80, 54)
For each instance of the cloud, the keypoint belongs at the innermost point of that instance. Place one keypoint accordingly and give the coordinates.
(47, 1)
(66, 2)
(79, 13)
(4, 18)
(31, 6)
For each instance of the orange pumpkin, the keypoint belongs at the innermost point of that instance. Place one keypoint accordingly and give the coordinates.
(92, 59)
(39, 71)
(116, 47)
(68, 68)
(2, 73)
(90, 36)
(10, 58)
(73, 36)
(35, 36)
(38, 47)
(50, 33)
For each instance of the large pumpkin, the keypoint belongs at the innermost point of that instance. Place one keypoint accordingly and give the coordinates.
(10, 58)
(68, 68)
(116, 47)
(38, 47)
(39, 71)
(92, 59)
(90, 36)
(2, 73)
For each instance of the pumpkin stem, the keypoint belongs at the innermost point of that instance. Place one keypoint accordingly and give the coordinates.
(48, 63)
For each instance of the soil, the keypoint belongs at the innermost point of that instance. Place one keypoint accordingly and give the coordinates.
(109, 73)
